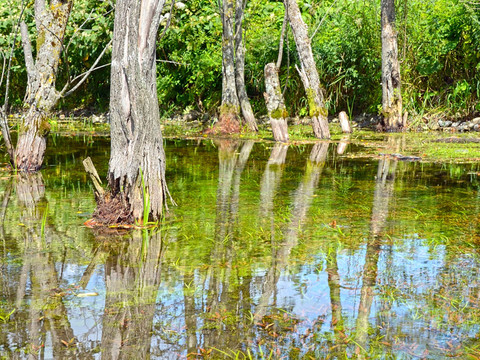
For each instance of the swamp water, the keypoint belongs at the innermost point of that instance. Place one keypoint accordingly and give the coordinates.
(272, 252)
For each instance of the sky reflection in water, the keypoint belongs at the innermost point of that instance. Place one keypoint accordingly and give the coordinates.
(297, 251)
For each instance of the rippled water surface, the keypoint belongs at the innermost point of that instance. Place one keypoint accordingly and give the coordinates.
(272, 252)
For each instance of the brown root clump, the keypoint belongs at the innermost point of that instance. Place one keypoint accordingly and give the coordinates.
(227, 124)
(112, 210)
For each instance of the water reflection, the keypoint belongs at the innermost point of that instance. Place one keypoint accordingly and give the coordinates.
(222, 281)
(301, 202)
(384, 184)
(46, 318)
(290, 250)
(132, 278)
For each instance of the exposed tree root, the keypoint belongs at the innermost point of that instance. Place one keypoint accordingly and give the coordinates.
(112, 210)
(228, 124)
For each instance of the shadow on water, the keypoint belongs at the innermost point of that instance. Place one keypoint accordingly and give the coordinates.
(286, 251)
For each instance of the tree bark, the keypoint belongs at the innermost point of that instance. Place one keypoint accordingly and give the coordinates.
(41, 96)
(229, 120)
(308, 71)
(391, 82)
(277, 111)
(247, 111)
(137, 161)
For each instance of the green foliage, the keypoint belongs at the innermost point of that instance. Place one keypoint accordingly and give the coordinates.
(438, 47)
(88, 31)
(190, 58)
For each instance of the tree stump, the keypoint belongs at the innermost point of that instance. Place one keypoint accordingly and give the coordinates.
(344, 122)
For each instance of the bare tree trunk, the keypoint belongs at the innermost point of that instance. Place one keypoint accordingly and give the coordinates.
(41, 97)
(308, 71)
(229, 120)
(274, 100)
(247, 111)
(391, 82)
(277, 111)
(137, 154)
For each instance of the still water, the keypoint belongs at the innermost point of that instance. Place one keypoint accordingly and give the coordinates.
(273, 252)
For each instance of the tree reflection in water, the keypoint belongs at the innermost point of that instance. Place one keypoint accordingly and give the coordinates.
(257, 266)
(301, 201)
(47, 316)
(222, 308)
(384, 185)
(132, 278)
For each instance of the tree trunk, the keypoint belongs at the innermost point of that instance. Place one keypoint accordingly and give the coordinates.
(391, 91)
(41, 97)
(137, 162)
(277, 111)
(247, 111)
(344, 122)
(308, 71)
(229, 120)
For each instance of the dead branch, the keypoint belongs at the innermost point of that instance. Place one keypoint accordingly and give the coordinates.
(282, 39)
(27, 51)
(65, 93)
(169, 20)
(92, 172)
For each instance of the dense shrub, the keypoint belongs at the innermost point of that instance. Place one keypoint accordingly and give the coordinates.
(438, 48)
